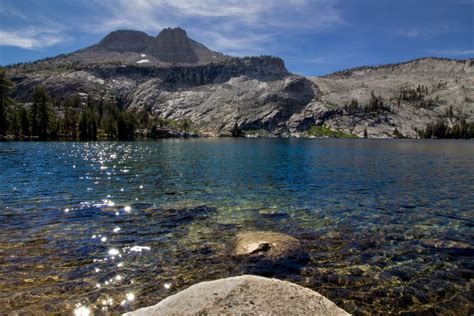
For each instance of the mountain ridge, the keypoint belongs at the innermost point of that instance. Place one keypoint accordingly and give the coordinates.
(256, 93)
(171, 46)
(349, 71)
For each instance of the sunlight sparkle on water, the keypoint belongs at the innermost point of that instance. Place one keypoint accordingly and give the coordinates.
(113, 252)
(127, 208)
(130, 296)
(82, 311)
(116, 229)
(139, 248)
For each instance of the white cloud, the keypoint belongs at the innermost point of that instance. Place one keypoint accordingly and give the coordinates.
(232, 26)
(230, 44)
(240, 27)
(29, 39)
(424, 32)
(330, 59)
(454, 52)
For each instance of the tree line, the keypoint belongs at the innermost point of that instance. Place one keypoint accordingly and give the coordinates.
(375, 105)
(439, 129)
(49, 118)
(83, 117)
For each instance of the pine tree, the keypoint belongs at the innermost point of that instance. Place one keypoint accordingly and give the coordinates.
(126, 126)
(236, 131)
(122, 133)
(44, 117)
(88, 124)
(83, 132)
(15, 123)
(34, 117)
(5, 86)
(25, 123)
(185, 125)
(40, 116)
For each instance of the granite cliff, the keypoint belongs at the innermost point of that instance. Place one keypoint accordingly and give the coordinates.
(174, 77)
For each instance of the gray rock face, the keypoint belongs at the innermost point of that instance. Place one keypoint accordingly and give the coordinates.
(125, 41)
(244, 295)
(268, 244)
(177, 78)
(448, 83)
(171, 46)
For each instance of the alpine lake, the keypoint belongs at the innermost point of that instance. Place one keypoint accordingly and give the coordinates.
(386, 226)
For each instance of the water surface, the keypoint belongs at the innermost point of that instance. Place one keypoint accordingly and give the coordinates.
(387, 226)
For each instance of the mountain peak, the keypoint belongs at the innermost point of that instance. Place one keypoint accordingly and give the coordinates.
(125, 40)
(170, 46)
(173, 32)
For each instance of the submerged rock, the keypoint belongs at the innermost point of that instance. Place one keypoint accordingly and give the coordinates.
(244, 295)
(267, 244)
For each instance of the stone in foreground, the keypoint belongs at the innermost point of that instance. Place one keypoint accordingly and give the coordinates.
(244, 295)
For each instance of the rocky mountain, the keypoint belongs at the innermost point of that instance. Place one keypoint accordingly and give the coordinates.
(413, 93)
(172, 46)
(174, 77)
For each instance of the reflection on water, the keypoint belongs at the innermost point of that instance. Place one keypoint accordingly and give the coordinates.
(113, 226)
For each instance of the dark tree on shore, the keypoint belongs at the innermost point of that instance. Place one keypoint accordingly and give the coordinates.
(88, 124)
(125, 126)
(40, 116)
(14, 122)
(236, 131)
(43, 113)
(34, 115)
(439, 129)
(185, 125)
(5, 86)
(397, 134)
(25, 123)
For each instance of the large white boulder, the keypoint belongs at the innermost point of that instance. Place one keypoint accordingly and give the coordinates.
(244, 295)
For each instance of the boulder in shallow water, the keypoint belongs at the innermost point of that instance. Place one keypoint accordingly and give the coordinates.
(244, 295)
(267, 244)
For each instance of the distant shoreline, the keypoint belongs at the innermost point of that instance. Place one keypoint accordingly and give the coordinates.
(12, 138)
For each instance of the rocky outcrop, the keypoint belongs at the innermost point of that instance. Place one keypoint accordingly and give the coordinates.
(244, 295)
(267, 244)
(445, 91)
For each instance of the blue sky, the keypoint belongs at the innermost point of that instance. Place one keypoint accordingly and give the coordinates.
(314, 37)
